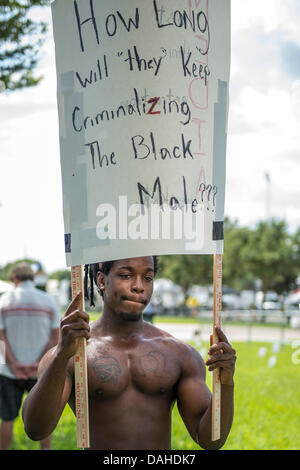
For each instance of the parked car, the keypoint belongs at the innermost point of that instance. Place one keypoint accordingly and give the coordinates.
(295, 319)
(271, 301)
(271, 305)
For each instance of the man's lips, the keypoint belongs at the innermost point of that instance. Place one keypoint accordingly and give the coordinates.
(137, 301)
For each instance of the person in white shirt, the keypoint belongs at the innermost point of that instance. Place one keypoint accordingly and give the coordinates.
(29, 326)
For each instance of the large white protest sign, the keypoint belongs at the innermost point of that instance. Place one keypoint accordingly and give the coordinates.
(143, 102)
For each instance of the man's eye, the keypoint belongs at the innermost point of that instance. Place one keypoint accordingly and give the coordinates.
(149, 279)
(125, 276)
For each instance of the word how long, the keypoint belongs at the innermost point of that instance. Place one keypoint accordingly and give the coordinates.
(120, 21)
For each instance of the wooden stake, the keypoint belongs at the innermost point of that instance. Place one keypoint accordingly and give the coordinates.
(80, 370)
(217, 309)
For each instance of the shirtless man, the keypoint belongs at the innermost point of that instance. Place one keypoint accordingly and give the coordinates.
(136, 371)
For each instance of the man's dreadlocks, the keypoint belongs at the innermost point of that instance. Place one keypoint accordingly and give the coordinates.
(90, 276)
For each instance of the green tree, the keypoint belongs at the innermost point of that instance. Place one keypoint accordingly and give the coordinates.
(270, 256)
(236, 272)
(187, 270)
(20, 40)
(267, 252)
(296, 249)
(61, 274)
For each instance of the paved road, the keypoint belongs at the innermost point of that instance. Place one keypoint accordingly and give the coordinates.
(187, 331)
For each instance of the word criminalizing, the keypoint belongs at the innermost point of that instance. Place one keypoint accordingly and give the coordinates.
(137, 107)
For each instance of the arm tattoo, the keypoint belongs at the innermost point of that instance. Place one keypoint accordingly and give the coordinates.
(153, 362)
(107, 369)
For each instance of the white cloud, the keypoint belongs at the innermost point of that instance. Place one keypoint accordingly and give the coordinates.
(269, 15)
(30, 182)
(264, 131)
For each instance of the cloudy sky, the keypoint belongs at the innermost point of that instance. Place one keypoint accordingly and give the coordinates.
(263, 136)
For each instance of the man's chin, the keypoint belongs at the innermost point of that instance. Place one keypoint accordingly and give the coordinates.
(131, 316)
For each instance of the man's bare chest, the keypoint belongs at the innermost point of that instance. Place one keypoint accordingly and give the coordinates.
(148, 367)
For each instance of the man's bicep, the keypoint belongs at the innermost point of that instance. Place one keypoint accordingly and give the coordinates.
(193, 396)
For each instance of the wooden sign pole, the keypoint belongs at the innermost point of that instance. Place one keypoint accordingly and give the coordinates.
(217, 310)
(80, 370)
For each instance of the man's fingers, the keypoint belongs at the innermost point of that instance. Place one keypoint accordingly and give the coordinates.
(79, 324)
(75, 330)
(229, 364)
(75, 317)
(75, 304)
(219, 356)
(225, 347)
(221, 335)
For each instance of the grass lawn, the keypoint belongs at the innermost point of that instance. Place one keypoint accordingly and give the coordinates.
(267, 406)
(267, 402)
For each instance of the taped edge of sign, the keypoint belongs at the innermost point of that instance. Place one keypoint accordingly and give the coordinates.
(218, 230)
(72, 169)
(66, 82)
(82, 242)
(67, 242)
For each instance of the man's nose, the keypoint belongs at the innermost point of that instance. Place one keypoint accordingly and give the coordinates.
(138, 285)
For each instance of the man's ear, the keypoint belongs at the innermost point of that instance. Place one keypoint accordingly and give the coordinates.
(100, 280)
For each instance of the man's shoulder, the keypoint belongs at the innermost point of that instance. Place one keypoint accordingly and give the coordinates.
(152, 331)
(173, 341)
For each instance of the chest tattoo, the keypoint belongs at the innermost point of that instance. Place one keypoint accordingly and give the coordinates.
(107, 369)
(153, 362)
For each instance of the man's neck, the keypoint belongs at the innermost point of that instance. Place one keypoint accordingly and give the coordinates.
(112, 324)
